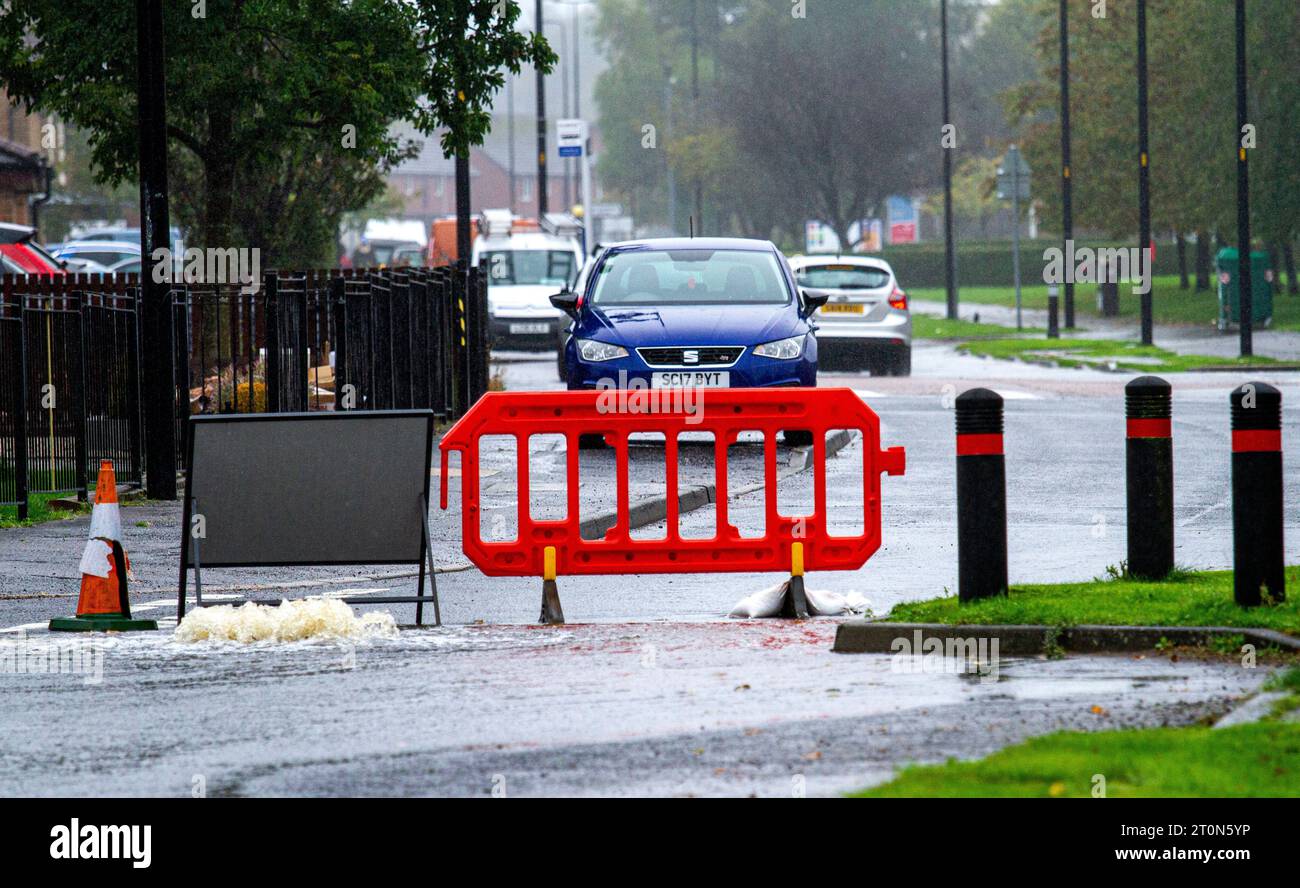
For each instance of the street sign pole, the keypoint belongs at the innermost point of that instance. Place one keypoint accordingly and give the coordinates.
(588, 234)
(1245, 296)
(572, 141)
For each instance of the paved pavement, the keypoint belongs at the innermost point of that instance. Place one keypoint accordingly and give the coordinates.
(649, 690)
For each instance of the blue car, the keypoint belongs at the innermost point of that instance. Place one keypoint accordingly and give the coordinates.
(697, 312)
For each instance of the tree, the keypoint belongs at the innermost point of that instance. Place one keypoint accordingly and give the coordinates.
(1191, 110)
(834, 109)
(278, 111)
(467, 44)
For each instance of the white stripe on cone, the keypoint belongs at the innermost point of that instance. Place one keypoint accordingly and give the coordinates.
(106, 522)
(97, 558)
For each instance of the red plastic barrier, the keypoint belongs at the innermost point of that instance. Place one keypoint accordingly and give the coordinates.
(724, 412)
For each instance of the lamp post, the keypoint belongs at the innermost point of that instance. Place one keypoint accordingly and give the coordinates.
(950, 253)
(1067, 196)
(541, 128)
(1144, 161)
(1245, 296)
(159, 384)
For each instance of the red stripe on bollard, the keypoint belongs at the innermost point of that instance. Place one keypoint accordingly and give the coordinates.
(1256, 440)
(979, 445)
(1150, 428)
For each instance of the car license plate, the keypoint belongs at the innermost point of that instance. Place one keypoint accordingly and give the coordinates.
(842, 308)
(526, 329)
(691, 379)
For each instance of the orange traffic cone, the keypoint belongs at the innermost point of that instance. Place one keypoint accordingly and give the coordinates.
(104, 604)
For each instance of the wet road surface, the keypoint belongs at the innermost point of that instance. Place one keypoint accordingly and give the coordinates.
(618, 702)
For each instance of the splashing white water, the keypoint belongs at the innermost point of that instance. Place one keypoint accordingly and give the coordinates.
(308, 618)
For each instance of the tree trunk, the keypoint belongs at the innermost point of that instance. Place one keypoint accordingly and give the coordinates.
(1288, 256)
(1183, 282)
(463, 240)
(1202, 261)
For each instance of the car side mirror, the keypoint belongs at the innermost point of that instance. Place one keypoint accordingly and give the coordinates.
(567, 302)
(814, 299)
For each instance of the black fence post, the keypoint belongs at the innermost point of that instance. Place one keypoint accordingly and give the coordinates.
(460, 351)
(981, 496)
(338, 306)
(1257, 552)
(77, 374)
(1149, 461)
(13, 388)
(132, 395)
(302, 350)
(271, 287)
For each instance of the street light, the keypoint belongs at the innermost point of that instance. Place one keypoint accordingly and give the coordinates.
(950, 253)
(571, 39)
(1067, 195)
(1245, 298)
(1144, 179)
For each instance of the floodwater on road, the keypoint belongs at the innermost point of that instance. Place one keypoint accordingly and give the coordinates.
(650, 690)
(740, 707)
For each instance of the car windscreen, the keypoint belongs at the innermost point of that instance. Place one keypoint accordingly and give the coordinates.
(512, 268)
(842, 277)
(691, 277)
(103, 257)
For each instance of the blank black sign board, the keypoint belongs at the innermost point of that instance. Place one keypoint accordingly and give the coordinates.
(284, 489)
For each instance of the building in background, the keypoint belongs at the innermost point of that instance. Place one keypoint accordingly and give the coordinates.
(24, 171)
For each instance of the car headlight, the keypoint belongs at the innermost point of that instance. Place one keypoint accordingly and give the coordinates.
(592, 350)
(782, 349)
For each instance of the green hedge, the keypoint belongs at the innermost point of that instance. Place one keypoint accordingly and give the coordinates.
(989, 263)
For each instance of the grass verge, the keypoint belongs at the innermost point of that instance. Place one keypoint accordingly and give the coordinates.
(926, 327)
(1187, 599)
(39, 511)
(1261, 759)
(1103, 354)
(1169, 304)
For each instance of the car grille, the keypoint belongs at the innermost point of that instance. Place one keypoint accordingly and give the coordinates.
(675, 356)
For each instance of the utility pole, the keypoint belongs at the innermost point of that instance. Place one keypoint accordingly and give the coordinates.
(1067, 190)
(159, 383)
(1144, 161)
(1245, 296)
(950, 252)
(541, 129)
(695, 100)
(510, 136)
(668, 139)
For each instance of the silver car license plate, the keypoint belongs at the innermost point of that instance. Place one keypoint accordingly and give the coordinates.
(526, 329)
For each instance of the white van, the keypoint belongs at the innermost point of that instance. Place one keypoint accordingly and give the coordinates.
(525, 268)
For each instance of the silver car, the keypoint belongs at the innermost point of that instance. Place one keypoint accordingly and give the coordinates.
(865, 323)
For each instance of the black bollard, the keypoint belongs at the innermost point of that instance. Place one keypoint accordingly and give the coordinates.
(1257, 556)
(981, 496)
(1150, 461)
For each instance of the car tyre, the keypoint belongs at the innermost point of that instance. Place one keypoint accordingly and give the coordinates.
(594, 441)
(797, 438)
(903, 362)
